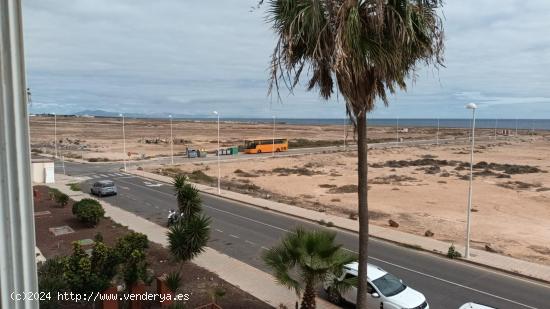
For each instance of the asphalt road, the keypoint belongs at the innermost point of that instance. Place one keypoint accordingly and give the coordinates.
(244, 232)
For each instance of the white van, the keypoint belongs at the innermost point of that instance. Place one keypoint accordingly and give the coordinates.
(385, 290)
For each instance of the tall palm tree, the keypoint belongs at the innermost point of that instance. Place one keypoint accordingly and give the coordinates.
(305, 259)
(188, 197)
(364, 49)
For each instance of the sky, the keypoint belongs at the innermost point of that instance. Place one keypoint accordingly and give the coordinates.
(190, 58)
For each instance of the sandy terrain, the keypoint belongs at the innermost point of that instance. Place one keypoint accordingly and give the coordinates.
(102, 137)
(512, 215)
(511, 204)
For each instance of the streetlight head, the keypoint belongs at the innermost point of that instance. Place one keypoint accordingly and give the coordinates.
(471, 106)
(169, 116)
(120, 115)
(215, 112)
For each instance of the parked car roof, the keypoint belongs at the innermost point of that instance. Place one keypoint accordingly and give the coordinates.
(374, 272)
(105, 182)
(475, 306)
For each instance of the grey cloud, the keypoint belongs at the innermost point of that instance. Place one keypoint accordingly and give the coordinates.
(196, 56)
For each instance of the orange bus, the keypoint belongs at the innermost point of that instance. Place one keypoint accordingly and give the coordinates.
(265, 145)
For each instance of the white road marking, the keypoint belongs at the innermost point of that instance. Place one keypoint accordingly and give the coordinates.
(380, 260)
(250, 242)
(150, 184)
(234, 236)
(218, 230)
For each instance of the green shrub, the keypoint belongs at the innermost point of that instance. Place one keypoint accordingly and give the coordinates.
(52, 192)
(88, 211)
(452, 253)
(74, 186)
(98, 160)
(61, 199)
(131, 242)
(134, 268)
(173, 281)
(50, 280)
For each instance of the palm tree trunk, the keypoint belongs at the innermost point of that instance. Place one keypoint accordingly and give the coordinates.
(308, 299)
(362, 173)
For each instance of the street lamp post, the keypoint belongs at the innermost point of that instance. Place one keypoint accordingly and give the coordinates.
(123, 142)
(496, 126)
(55, 134)
(219, 153)
(437, 134)
(345, 129)
(473, 107)
(516, 127)
(171, 140)
(273, 136)
(397, 130)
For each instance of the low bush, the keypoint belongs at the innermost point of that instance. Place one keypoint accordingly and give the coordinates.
(98, 160)
(50, 280)
(200, 177)
(52, 192)
(131, 242)
(452, 253)
(74, 186)
(61, 199)
(88, 211)
(173, 281)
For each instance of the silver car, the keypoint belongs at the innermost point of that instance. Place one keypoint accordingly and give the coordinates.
(104, 187)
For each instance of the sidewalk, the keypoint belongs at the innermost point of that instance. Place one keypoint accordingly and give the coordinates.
(249, 279)
(479, 257)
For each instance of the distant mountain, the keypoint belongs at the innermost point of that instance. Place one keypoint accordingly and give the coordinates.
(102, 113)
(97, 112)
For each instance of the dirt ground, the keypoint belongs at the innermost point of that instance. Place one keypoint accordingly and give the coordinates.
(421, 188)
(101, 138)
(197, 281)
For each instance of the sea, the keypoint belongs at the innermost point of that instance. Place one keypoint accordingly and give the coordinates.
(521, 124)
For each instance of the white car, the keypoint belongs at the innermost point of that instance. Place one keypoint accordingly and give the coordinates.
(385, 290)
(474, 306)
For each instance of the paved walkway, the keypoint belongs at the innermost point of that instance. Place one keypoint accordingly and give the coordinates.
(249, 279)
(480, 257)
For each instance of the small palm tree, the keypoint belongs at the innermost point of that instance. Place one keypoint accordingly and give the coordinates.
(305, 259)
(188, 197)
(173, 281)
(187, 238)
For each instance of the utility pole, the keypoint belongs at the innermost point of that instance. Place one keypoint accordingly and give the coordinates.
(473, 107)
(345, 130)
(496, 126)
(437, 134)
(397, 130)
(55, 134)
(273, 135)
(123, 142)
(18, 261)
(171, 140)
(219, 154)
